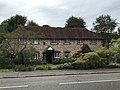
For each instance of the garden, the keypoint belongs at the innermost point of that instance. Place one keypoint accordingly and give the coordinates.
(86, 59)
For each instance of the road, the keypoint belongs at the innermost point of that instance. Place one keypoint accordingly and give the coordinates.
(109, 81)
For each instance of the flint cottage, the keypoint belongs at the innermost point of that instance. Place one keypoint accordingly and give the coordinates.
(58, 42)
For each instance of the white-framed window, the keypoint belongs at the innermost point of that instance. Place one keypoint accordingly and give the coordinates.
(35, 41)
(54, 41)
(36, 56)
(66, 54)
(80, 42)
(93, 42)
(56, 54)
(66, 41)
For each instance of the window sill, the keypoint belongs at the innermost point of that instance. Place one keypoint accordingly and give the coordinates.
(54, 43)
(93, 43)
(67, 43)
(56, 57)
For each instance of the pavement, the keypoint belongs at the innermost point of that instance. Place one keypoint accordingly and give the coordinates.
(43, 73)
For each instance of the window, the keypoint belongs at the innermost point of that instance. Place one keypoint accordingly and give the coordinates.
(66, 54)
(80, 42)
(66, 41)
(57, 54)
(92, 42)
(36, 56)
(35, 42)
(54, 41)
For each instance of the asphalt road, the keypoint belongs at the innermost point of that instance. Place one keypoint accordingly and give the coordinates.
(109, 81)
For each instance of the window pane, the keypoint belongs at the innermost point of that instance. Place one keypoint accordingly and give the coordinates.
(57, 54)
(36, 56)
(93, 42)
(66, 41)
(54, 41)
(80, 41)
(34, 41)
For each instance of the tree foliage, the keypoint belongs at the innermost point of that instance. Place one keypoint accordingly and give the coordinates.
(11, 24)
(2, 34)
(104, 24)
(75, 22)
(32, 23)
(16, 44)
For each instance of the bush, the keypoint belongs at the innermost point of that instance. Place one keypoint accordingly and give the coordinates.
(65, 66)
(77, 55)
(89, 60)
(85, 48)
(43, 67)
(79, 64)
(118, 58)
(23, 68)
(107, 54)
(5, 61)
(113, 65)
(61, 61)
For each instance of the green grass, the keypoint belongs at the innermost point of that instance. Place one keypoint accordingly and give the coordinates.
(6, 70)
(46, 67)
(32, 68)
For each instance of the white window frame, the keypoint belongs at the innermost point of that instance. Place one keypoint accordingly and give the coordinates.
(36, 56)
(80, 41)
(93, 42)
(56, 54)
(54, 41)
(35, 41)
(66, 41)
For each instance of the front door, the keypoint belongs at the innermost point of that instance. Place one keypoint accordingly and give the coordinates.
(49, 56)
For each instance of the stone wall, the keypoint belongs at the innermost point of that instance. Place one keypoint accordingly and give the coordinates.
(73, 47)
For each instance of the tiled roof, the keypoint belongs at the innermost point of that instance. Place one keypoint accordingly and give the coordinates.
(62, 33)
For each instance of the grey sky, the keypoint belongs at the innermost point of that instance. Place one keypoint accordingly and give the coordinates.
(55, 12)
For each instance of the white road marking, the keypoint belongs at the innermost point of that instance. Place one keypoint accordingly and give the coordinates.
(22, 86)
(87, 82)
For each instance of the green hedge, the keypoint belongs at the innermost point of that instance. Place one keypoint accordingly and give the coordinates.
(23, 68)
(90, 60)
(5, 61)
(61, 61)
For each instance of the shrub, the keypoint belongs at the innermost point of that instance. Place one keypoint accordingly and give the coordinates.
(65, 66)
(43, 67)
(77, 55)
(108, 54)
(24, 56)
(24, 68)
(89, 60)
(118, 58)
(5, 61)
(113, 65)
(85, 48)
(61, 61)
(40, 68)
(79, 64)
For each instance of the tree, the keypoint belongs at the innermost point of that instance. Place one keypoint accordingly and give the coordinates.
(75, 22)
(104, 24)
(11, 24)
(16, 44)
(119, 31)
(32, 23)
(2, 34)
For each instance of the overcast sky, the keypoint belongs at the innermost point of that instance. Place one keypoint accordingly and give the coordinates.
(55, 12)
